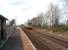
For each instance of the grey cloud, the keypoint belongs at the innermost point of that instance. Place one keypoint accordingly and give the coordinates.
(66, 1)
(17, 3)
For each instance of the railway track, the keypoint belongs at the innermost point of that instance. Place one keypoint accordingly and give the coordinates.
(57, 40)
(43, 41)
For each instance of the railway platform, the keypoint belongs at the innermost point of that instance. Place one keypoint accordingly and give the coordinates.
(18, 41)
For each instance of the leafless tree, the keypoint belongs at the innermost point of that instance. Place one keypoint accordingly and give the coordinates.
(12, 22)
(54, 14)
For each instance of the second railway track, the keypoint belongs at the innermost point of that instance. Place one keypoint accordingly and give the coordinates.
(45, 42)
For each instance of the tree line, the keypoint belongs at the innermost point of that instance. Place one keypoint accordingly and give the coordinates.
(53, 18)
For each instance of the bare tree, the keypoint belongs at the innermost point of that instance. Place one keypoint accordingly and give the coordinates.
(54, 14)
(12, 22)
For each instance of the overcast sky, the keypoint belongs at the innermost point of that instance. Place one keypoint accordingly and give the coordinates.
(22, 10)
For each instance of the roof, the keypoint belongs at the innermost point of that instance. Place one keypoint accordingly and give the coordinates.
(3, 17)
